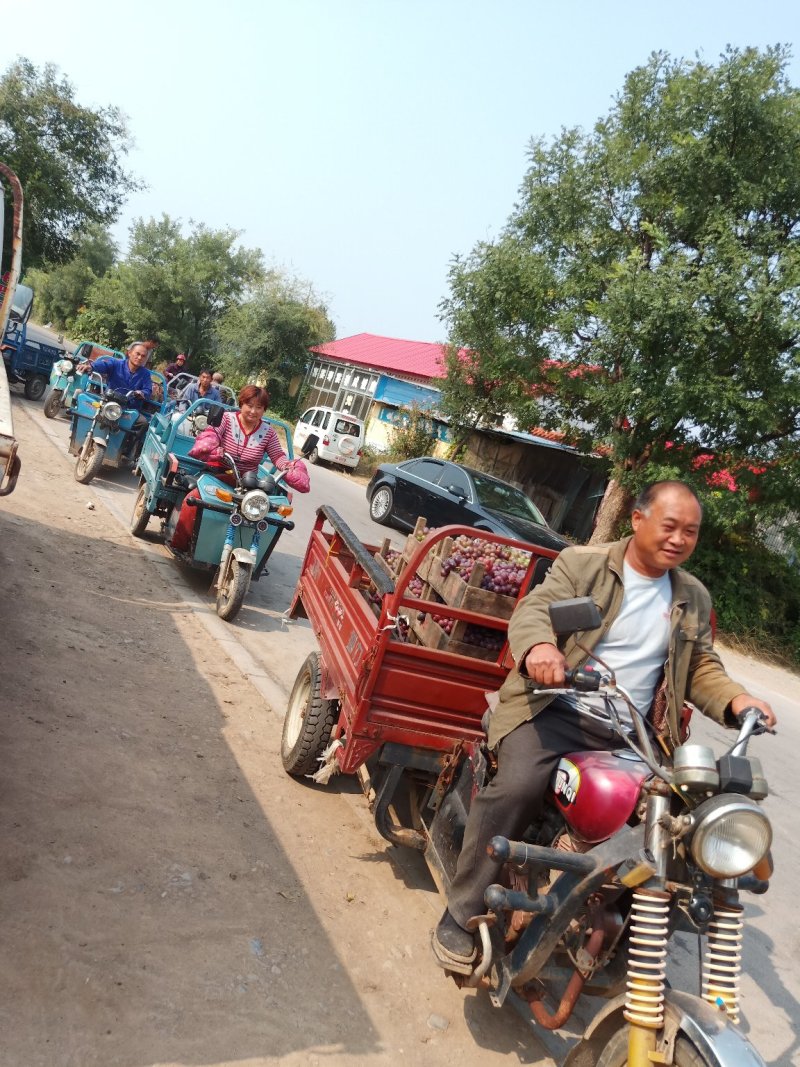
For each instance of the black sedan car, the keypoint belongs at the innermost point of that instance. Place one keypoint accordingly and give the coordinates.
(447, 493)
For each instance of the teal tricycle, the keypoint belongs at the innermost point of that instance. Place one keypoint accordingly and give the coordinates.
(104, 425)
(65, 382)
(241, 517)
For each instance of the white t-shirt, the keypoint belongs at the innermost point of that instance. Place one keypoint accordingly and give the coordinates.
(636, 644)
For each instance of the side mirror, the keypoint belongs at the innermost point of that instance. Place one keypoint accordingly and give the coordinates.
(570, 616)
(309, 444)
(457, 491)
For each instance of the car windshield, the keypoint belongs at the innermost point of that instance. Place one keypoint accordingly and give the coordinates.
(499, 496)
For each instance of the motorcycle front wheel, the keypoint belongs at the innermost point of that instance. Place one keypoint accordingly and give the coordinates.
(52, 405)
(233, 590)
(615, 1054)
(90, 460)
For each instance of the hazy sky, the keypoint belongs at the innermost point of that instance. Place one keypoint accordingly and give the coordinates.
(360, 143)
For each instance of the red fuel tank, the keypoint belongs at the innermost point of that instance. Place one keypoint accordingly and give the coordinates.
(597, 791)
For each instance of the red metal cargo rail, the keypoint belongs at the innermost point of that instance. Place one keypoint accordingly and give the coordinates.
(388, 688)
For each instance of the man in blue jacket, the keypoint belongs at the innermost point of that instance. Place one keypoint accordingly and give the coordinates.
(129, 375)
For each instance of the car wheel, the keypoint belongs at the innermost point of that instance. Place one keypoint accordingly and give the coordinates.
(381, 504)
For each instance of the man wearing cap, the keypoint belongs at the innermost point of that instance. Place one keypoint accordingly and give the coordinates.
(172, 369)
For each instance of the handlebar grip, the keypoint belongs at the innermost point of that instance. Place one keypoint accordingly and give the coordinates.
(584, 679)
(276, 520)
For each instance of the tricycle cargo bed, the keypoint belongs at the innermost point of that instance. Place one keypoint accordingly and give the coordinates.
(403, 664)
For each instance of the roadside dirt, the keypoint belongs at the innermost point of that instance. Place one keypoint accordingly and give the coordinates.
(169, 896)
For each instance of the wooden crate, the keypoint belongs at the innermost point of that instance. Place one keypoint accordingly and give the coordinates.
(430, 634)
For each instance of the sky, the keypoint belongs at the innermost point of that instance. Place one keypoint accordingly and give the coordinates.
(361, 144)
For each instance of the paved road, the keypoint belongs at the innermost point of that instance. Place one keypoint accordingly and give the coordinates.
(269, 650)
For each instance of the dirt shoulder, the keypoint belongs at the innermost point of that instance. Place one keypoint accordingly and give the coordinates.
(169, 895)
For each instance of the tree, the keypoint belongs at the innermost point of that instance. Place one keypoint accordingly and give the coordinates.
(62, 291)
(269, 334)
(643, 297)
(174, 285)
(68, 158)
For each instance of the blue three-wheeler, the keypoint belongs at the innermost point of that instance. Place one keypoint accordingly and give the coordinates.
(65, 381)
(104, 430)
(238, 525)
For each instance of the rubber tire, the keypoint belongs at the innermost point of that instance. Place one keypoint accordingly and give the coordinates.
(230, 599)
(382, 515)
(313, 456)
(140, 516)
(615, 1054)
(52, 405)
(309, 720)
(35, 387)
(90, 460)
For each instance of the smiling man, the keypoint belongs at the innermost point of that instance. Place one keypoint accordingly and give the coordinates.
(656, 625)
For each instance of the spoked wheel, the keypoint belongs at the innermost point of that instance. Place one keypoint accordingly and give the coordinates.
(615, 1054)
(52, 405)
(140, 516)
(233, 590)
(90, 460)
(310, 718)
(380, 506)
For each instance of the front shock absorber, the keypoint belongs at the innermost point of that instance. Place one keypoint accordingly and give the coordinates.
(722, 959)
(647, 956)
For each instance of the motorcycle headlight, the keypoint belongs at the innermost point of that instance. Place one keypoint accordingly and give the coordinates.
(64, 366)
(255, 505)
(731, 835)
(112, 411)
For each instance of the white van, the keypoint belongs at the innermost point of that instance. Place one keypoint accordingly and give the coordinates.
(341, 436)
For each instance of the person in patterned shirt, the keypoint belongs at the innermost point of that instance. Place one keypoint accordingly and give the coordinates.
(248, 438)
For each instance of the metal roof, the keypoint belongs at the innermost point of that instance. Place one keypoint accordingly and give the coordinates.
(422, 359)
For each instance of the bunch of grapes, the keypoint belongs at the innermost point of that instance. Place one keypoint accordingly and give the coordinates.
(415, 586)
(484, 637)
(445, 623)
(420, 536)
(504, 567)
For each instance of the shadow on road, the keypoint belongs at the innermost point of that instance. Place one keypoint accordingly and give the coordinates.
(151, 913)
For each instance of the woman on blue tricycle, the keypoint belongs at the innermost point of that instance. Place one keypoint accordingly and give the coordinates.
(220, 508)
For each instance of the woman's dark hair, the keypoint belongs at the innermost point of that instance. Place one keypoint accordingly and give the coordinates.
(256, 393)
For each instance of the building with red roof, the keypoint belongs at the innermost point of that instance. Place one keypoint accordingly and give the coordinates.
(419, 361)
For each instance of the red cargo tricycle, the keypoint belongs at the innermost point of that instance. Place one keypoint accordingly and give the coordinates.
(633, 845)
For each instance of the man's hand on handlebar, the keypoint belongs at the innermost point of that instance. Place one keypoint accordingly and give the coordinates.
(544, 664)
(741, 703)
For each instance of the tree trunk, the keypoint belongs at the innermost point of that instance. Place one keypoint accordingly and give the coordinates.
(613, 509)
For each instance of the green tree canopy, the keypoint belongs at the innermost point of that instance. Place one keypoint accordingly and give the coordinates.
(269, 334)
(67, 157)
(172, 285)
(61, 291)
(643, 297)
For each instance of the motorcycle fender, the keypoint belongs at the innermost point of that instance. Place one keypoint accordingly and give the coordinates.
(244, 555)
(709, 1029)
(99, 439)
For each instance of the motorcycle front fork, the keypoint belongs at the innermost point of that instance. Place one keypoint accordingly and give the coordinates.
(647, 957)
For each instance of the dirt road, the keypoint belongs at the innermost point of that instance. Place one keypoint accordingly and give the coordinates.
(169, 896)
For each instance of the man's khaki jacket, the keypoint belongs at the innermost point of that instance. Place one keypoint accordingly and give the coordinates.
(693, 669)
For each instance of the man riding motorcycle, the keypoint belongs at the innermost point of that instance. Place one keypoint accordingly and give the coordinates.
(656, 622)
(129, 376)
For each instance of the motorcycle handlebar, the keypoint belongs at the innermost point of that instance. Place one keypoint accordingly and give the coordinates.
(584, 679)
